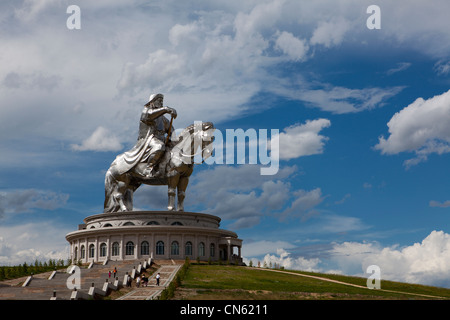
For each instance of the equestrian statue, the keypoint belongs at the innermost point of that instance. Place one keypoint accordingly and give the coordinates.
(159, 157)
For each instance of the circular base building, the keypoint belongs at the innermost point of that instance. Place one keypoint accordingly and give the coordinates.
(157, 234)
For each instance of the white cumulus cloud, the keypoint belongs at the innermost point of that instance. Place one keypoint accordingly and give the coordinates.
(294, 47)
(421, 127)
(302, 139)
(284, 259)
(100, 140)
(264, 247)
(330, 33)
(427, 262)
(243, 196)
(28, 242)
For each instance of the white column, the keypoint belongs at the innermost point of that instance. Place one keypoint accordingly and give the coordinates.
(136, 247)
(96, 249)
(121, 253)
(108, 253)
(86, 250)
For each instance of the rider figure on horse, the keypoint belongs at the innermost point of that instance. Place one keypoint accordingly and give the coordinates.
(145, 156)
(152, 128)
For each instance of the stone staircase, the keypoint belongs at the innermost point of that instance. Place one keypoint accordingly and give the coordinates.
(93, 280)
(152, 290)
(39, 288)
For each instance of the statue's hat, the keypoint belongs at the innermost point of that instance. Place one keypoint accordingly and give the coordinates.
(153, 97)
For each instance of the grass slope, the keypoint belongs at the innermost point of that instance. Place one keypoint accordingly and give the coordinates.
(219, 282)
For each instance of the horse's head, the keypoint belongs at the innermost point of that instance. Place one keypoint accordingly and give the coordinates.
(196, 136)
(207, 139)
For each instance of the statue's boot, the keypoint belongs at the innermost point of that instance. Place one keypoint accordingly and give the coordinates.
(153, 169)
(152, 172)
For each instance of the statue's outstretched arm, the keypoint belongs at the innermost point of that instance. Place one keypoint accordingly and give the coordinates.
(152, 114)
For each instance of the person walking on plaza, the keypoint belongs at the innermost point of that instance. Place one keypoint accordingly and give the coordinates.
(138, 281)
(157, 279)
(144, 280)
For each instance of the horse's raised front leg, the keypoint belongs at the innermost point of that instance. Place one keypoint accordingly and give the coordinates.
(182, 185)
(172, 186)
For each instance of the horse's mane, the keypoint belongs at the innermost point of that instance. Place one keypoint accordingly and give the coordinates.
(190, 129)
(205, 126)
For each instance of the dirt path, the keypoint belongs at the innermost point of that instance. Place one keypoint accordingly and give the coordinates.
(349, 284)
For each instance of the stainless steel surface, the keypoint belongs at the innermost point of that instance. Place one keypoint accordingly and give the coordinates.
(156, 160)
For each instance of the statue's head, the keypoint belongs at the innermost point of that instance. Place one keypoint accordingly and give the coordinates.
(153, 98)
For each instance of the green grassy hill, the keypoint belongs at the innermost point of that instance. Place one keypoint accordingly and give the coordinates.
(224, 282)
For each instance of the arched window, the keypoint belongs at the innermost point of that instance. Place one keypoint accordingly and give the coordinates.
(152, 223)
(129, 248)
(212, 250)
(160, 248)
(177, 223)
(76, 254)
(175, 248)
(128, 223)
(188, 248)
(83, 252)
(103, 250)
(145, 248)
(201, 249)
(107, 225)
(115, 249)
(91, 251)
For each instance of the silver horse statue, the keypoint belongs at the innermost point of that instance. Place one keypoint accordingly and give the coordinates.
(176, 166)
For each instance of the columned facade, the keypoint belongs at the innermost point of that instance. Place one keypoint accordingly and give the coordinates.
(157, 234)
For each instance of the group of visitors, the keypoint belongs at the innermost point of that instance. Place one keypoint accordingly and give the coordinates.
(144, 280)
(139, 279)
(114, 272)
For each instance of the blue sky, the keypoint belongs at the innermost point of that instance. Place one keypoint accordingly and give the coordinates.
(363, 117)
